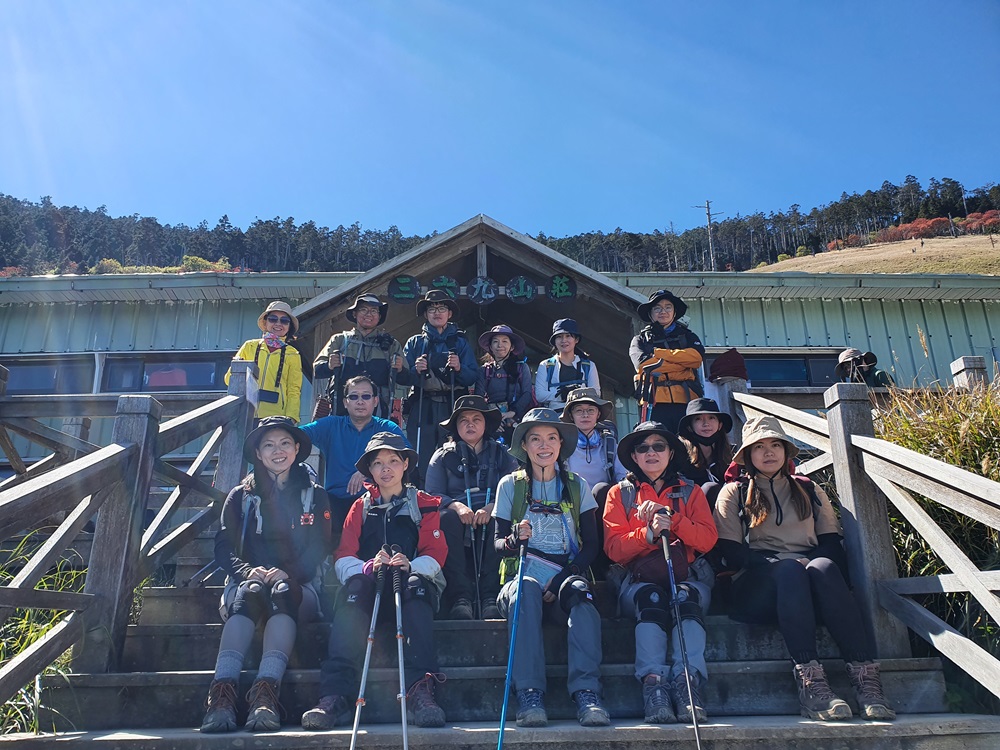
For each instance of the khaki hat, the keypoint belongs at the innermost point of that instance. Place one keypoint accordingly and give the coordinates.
(282, 307)
(368, 299)
(586, 396)
(537, 418)
(388, 441)
(763, 428)
(850, 355)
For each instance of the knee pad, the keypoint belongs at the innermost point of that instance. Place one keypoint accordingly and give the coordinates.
(417, 589)
(574, 590)
(652, 605)
(690, 604)
(286, 598)
(358, 591)
(250, 601)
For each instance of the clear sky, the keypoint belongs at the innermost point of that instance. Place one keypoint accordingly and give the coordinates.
(563, 116)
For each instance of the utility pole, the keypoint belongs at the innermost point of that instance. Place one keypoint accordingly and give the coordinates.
(711, 243)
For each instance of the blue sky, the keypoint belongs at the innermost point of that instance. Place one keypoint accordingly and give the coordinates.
(562, 117)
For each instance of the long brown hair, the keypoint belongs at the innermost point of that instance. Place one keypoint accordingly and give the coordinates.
(758, 505)
(722, 450)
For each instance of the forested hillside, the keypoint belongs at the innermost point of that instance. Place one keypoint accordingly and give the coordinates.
(37, 238)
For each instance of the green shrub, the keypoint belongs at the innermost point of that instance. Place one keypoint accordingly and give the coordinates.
(761, 264)
(802, 251)
(107, 265)
(783, 256)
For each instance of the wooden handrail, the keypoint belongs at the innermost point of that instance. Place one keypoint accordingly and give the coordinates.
(93, 405)
(799, 425)
(187, 427)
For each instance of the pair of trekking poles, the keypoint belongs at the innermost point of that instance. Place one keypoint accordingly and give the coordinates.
(397, 591)
(675, 605)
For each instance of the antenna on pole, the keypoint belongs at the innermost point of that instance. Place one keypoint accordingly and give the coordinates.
(711, 243)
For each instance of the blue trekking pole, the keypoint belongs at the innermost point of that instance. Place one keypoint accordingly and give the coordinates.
(513, 640)
(676, 606)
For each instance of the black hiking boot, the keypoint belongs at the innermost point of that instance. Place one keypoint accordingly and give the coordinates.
(656, 700)
(531, 708)
(490, 609)
(461, 610)
(220, 713)
(328, 713)
(589, 711)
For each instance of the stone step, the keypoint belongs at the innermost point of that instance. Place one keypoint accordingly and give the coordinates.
(909, 732)
(154, 648)
(143, 700)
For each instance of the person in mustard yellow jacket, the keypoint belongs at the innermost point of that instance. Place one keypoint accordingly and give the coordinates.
(279, 364)
(666, 355)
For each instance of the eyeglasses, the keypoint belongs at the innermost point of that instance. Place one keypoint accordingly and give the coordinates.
(646, 448)
(663, 309)
(585, 411)
(275, 319)
(362, 396)
(368, 311)
(437, 308)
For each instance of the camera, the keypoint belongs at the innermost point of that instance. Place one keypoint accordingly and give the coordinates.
(269, 397)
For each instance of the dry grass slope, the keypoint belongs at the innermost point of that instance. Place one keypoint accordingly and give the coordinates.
(960, 255)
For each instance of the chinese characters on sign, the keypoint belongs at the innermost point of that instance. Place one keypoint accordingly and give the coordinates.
(483, 290)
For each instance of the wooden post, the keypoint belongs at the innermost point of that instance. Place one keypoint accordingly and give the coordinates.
(118, 539)
(231, 467)
(867, 537)
(969, 373)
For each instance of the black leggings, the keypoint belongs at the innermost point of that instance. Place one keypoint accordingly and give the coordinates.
(796, 596)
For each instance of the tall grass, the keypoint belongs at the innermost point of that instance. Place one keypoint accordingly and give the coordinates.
(961, 428)
(25, 626)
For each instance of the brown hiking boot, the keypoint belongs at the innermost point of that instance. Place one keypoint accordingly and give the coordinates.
(867, 684)
(262, 714)
(330, 711)
(816, 699)
(421, 708)
(220, 714)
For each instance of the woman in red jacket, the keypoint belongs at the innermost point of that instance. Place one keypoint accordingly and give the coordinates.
(653, 501)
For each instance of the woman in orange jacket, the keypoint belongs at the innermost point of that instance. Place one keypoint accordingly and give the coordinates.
(652, 501)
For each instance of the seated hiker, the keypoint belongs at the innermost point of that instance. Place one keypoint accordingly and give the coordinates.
(443, 367)
(780, 532)
(393, 512)
(278, 362)
(855, 366)
(342, 441)
(654, 500)
(704, 430)
(275, 531)
(666, 355)
(554, 513)
(570, 367)
(504, 377)
(464, 473)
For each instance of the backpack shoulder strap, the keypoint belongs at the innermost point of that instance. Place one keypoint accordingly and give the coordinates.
(628, 494)
(520, 504)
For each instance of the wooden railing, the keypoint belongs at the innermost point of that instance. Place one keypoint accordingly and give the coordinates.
(868, 472)
(80, 479)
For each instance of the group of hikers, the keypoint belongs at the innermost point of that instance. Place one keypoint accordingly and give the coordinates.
(507, 501)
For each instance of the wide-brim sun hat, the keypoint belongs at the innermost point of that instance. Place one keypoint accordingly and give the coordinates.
(847, 356)
(579, 396)
(680, 306)
(276, 307)
(388, 441)
(516, 342)
(474, 403)
(565, 325)
(543, 418)
(642, 431)
(704, 406)
(437, 297)
(763, 428)
(276, 423)
(368, 299)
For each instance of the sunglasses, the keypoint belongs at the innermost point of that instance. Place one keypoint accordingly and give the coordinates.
(537, 507)
(645, 448)
(362, 396)
(275, 319)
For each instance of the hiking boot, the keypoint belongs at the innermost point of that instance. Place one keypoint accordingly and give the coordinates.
(656, 701)
(421, 708)
(262, 714)
(867, 684)
(682, 702)
(531, 708)
(220, 713)
(461, 610)
(330, 711)
(490, 609)
(816, 699)
(589, 711)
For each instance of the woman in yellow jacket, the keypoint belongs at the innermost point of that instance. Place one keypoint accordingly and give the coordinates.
(279, 365)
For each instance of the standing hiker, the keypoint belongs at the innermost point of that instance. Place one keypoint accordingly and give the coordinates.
(504, 377)
(570, 367)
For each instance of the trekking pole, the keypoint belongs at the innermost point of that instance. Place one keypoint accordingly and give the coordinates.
(451, 382)
(476, 607)
(379, 585)
(676, 606)
(644, 395)
(397, 593)
(420, 419)
(513, 640)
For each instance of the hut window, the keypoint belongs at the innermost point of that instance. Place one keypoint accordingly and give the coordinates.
(43, 376)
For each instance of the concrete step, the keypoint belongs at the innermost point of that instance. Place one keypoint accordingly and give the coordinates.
(143, 700)
(154, 648)
(909, 732)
